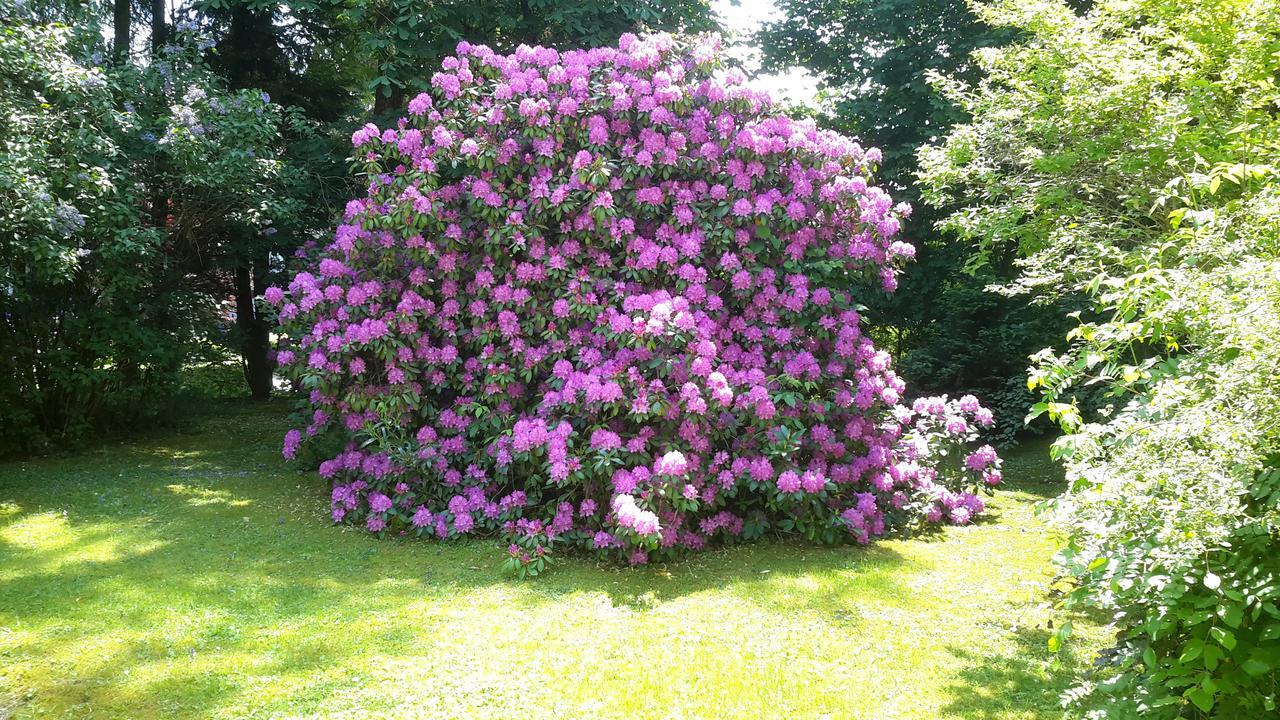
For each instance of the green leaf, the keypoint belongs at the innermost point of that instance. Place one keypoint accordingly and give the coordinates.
(1233, 616)
(1201, 698)
(1039, 408)
(1212, 656)
(1255, 668)
(1224, 637)
(1191, 650)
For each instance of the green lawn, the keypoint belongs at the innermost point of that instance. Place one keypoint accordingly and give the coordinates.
(195, 575)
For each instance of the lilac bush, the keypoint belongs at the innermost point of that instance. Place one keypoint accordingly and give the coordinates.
(604, 299)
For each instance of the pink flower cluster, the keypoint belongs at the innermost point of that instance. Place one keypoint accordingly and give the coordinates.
(606, 299)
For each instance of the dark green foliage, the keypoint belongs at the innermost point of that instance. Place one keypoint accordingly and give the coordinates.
(91, 333)
(962, 336)
(397, 40)
(124, 189)
(874, 59)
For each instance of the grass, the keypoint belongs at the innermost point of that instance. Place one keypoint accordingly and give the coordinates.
(195, 575)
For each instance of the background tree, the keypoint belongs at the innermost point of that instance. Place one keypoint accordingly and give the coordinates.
(873, 59)
(291, 56)
(116, 177)
(400, 38)
(91, 335)
(122, 29)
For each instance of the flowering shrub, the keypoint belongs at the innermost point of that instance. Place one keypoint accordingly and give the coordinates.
(601, 299)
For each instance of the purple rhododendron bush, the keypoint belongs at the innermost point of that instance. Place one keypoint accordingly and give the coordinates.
(607, 300)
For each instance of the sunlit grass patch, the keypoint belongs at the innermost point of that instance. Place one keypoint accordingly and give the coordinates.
(196, 576)
(198, 496)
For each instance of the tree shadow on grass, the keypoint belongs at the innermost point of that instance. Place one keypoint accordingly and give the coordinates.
(1025, 683)
(183, 572)
(169, 574)
(179, 611)
(772, 573)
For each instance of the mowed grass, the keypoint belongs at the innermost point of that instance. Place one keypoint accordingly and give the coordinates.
(195, 575)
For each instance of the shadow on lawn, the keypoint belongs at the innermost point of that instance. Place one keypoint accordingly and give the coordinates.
(202, 500)
(169, 607)
(170, 563)
(1029, 468)
(1007, 685)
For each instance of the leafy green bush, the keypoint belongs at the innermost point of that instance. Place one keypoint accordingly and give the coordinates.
(216, 380)
(1130, 154)
(87, 340)
(119, 187)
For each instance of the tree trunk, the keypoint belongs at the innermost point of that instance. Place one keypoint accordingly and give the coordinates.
(249, 56)
(159, 200)
(159, 30)
(386, 104)
(255, 339)
(122, 25)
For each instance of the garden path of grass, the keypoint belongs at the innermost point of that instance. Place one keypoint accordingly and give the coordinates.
(194, 575)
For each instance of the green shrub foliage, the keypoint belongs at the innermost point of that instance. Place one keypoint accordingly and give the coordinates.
(119, 187)
(84, 336)
(1130, 153)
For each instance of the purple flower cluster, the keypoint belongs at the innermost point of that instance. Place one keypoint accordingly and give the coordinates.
(605, 299)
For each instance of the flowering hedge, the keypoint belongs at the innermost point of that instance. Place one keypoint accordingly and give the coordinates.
(603, 299)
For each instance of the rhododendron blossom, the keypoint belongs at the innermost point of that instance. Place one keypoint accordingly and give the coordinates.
(607, 299)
